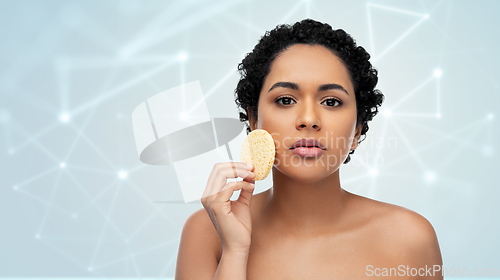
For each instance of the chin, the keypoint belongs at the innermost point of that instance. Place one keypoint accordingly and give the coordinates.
(305, 174)
(329, 162)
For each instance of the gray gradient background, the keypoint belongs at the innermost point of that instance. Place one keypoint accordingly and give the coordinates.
(98, 60)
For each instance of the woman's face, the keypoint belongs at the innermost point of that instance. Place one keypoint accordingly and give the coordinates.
(308, 94)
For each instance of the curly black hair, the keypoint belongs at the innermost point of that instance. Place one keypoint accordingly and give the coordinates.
(256, 66)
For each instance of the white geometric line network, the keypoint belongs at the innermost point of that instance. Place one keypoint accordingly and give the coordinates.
(131, 55)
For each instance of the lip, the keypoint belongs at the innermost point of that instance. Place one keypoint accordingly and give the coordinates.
(308, 151)
(309, 143)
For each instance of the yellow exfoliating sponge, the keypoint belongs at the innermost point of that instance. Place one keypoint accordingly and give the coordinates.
(258, 149)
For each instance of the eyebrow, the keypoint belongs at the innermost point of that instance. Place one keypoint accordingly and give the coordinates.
(295, 86)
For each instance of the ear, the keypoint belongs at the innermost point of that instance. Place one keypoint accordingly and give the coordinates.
(251, 119)
(357, 134)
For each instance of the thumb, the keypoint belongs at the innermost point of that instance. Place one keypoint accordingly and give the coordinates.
(246, 193)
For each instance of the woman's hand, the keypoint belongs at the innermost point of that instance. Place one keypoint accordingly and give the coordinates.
(231, 219)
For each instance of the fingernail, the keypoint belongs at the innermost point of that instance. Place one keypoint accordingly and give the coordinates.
(252, 184)
(249, 165)
(250, 173)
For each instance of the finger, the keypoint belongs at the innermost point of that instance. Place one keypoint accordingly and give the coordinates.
(216, 197)
(250, 179)
(217, 201)
(217, 168)
(227, 192)
(246, 194)
(210, 180)
(224, 174)
(234, 169)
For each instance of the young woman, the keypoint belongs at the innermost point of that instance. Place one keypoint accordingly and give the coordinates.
(308, 85)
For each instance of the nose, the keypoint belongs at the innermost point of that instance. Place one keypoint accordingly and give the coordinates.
(308, 117)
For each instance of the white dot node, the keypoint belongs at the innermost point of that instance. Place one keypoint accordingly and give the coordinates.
(15, 187)
(64, 117)
(183, 56)
(430, 177)
(126, 241)
(426, 16)
(74, 215)
(490, 116)
(437, 73)
(62, 165)
(90, 268)
(438, 115)
(488, 151)
(387, 112)
(37, 236)
(11, 151)
(122, 174)
(373, 172)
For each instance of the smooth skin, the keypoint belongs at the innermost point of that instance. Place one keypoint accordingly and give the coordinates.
(306, 226)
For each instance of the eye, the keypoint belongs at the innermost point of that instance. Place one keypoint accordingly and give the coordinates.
(285, 101)
(331, 102)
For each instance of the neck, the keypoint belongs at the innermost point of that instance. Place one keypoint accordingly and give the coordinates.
(305, 209)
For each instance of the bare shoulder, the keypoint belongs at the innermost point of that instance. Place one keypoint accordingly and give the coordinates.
(400, 230)
(198, 255)
(203, 225)
(400, 221)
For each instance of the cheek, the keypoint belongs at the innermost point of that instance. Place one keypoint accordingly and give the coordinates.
(340, 133)
(276, 118)
(268, 119)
